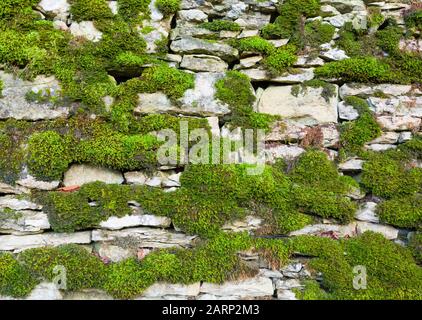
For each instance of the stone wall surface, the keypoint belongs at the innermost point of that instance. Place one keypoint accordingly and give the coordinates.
(95, 152)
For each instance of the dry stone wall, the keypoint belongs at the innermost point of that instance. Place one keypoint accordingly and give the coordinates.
(346, 111)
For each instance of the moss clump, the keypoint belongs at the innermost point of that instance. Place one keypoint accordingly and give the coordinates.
(171, 81)
(235, 90)
(48, 155)
(315, 34)
(280, 59)
(292, 16)
(391, 270)
(86, 10)
(15, 279)
(254, 44)
(403, 212)
(355, 134)
(130, 9)
(413, 19)
(168, 7)
(387, 175)
(320, 190)
(221, 25)
(83, 270)
(367, 69)
(11, 158)
(68, 212)
(415, 244)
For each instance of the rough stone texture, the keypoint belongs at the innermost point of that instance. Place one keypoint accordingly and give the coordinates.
(147, 220)
(318, 229)
(32, 183)
(23, 222)
(299, 76)
(309, 105)
(86, 29)
(353, 164)
(366, 90)
(14, 203)
(367, 213)
(253, 287)
(189, 45)
(19, 243)
(197, 101)
(13, 103)
(202, 62)
(87, 294)
(387, 231)
(79, 174)
(145, 237)
(45, 291)
(165, 289)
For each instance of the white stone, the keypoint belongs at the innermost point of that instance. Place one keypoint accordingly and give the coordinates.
(13, 103)
(399, 123)
(16, 204)
(347, 112)
(252, 287)
(45, 291)
(380, 147)
(405, 136)
(193, 15)
(113, 253)
(367, 213)
(334, 54)
(146, 237)
(162, 289)
(24, 222)
(248, 62)
(86, 29)
(19, 243)
(318, 229)
(8, 189)
(353, 164)
(308, 104)
(366, 90)
(287, 284)
(55, 6)
(32, 183)
(135, 177)
(203, 62)
(307, 61)
(116, 223)
(286, 295)
(282, 151)
(87, 294)
(386, 138)
(172, 180)
(299, 76)
(113, 6)
(387, 231)
(79, 174)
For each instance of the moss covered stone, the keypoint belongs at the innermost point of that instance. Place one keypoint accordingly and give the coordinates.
(86, 10)
(83, 270)
(15, 279)
(403, 212)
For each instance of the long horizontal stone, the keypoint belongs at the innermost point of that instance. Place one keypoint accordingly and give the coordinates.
(319, 229)
(166, 289)
(259, 74)
(145, 237)
(148, 220)
(23, 222)
(19, 243)
(252, 287)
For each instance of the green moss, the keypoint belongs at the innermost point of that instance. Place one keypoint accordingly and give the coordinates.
(171, 81)
(12, 158)
(415, 244)
(386, 175)
(355, 134)
(15, 279)
(168, 7)
(403, 212)
(130, 9)
(280, 59)
(83, 270)
(254, 44)
(48, 155)
(413, 19)
(317, 33)
(292, 16)
(1, 88)
(86, 10)
(367, 69)
(391, 270)
(221, 25)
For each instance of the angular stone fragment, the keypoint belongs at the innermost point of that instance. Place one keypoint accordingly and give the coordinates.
(14, 103)
(190, 45)
(160, 289)
(388, 232)
(148, 220)
(202, 62)
(23, 222)
(79, 174)
(309, 104)
(20, 243)
(367, 212)
(298, 76)
(145, 237)
(252, 287)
